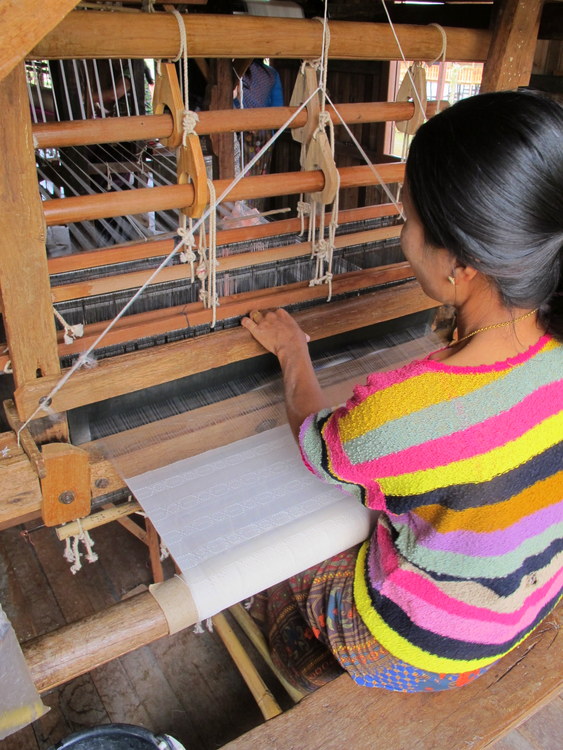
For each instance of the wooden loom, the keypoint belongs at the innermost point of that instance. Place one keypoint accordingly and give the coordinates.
(34, 479)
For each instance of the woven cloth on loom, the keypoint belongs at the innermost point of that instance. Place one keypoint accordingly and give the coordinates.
(240, 518)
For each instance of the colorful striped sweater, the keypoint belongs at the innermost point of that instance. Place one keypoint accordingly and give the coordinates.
(466, 464)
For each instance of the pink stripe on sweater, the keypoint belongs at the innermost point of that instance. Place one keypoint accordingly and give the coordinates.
(427, 592)
(474, 441)
(496, 366)
(431, 617)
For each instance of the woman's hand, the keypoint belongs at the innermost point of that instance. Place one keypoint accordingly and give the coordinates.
(277, 331)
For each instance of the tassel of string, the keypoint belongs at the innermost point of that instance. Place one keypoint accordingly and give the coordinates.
(186, 234)
(322, 247)
(71, 332)
(72, 552)
(207, 268)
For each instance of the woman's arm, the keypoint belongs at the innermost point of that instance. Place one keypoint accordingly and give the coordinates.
(278, 332)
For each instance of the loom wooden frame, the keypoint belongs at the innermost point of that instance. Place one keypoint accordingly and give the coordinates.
(34, 345)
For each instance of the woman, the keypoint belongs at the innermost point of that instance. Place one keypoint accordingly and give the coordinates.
(461, 452)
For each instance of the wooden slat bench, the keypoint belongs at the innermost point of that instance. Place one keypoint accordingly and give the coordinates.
(343, 715)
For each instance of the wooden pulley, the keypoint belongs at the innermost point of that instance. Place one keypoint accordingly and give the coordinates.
(167, 98)
(305, 84)
(66, 484)
(191, 168)
(413, 88)
(318, 155)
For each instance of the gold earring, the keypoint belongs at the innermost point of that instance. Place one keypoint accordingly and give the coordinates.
(451, 279)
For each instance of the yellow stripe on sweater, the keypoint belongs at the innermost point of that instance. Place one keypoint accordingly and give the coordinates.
(412, 395)
(481, 468)
(395, 643)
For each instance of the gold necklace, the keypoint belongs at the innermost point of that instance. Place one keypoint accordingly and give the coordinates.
(494, 325)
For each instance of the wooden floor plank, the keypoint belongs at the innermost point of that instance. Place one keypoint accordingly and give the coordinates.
(22, 740)
(207, 678)
(27, 598)
(53, 726)
(159, 699)
(119, 695)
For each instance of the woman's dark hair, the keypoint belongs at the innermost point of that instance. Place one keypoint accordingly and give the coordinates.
(486, 178)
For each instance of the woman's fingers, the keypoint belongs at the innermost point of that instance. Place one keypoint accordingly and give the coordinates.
(274, 329)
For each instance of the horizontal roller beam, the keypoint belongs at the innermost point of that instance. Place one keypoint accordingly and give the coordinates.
(160, 322)
(151, 127)
(179, 271)
(106, 205)
(114, 35)
(152, 248)
(139, 370)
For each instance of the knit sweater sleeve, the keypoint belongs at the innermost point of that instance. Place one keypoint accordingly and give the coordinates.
(338, 444)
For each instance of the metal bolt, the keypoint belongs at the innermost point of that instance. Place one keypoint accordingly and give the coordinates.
(66, 497)
(101, 483)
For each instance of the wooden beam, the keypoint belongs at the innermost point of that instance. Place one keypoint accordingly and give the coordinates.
(23, 23)
(106, 205)
(179, 272)
(472, 717)
(511, 55)
(115, 35)
(146, 127)
(136, 371)
(24, 280)
(153, 248)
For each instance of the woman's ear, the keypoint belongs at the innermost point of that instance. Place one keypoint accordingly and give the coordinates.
(464, 274)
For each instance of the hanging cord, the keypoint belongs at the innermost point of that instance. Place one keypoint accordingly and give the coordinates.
(72, 553)
(441, 59)
(403, 57)
(207, 268)
(190, 118)
(322, 248)
(70, 332)
(83, 359)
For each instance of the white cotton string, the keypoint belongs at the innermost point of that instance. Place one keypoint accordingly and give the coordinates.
(71, 332)
(213, 299)
(72, 552)
(403, 58)
(189, 119)
(187, 254)
(65, 86)
(441, 57)
(31, 102)
(102, 106)
(366, 158)
(8, 368)
(83, 358)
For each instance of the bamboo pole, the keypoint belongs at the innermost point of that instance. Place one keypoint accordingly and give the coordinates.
(75, 649)
(261, 693)
(115, 35)
(149, 127)
(106, 205)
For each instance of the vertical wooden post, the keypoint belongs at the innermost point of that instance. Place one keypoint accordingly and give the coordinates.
(511, 54)
(24, 279)
(220, 96)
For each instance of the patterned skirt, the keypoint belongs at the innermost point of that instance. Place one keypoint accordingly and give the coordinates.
(315, 633)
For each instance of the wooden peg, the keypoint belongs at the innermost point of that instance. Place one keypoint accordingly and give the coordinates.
(66, 484)
(318, 155)
(167, 97)
(191, 168)
(417, 94)
(305, 84)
